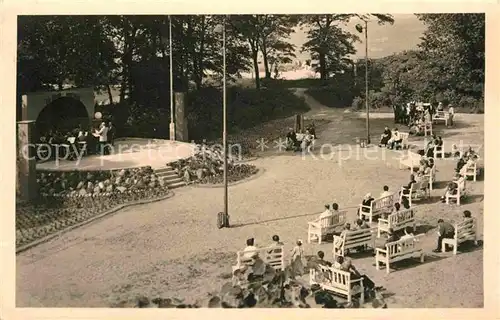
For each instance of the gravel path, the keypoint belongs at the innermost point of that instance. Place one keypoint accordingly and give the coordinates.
(173, 248)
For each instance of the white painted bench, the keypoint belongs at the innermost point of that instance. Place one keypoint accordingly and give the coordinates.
(439, 153)
(464, 231)
(411, 160)
(337, 281)
(429, 178)
(273, 255)
(470, 170)
(404, 140)
(352, 240)
(398, 250)
(377, 207)
(461, 192)
(427, 128)
(397, 221)
(417, 191)
(320, 227)
(440, 116)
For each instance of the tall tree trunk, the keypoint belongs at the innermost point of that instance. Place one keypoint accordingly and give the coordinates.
(322, 66)
(110, 94)
(266, 62)
(201, 52)
(256, 69)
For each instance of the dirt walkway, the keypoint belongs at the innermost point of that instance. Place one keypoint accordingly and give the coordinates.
(173, 248)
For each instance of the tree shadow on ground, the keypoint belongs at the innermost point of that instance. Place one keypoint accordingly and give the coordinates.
(237, 225)
(424, 228)
(412, 263)
(469, 246)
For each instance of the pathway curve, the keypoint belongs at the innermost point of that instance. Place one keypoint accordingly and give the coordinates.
(173, 248)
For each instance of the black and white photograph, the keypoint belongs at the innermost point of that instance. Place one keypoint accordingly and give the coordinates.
(330, 160)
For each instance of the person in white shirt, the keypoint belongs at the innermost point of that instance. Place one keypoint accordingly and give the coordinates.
(386, 192)
(451, 114)
(103, 138)
(395, 138)
(326, 213)
(250, 250)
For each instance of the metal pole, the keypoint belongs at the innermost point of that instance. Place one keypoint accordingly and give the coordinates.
(172, 124)
(366, 85)
(224, 133)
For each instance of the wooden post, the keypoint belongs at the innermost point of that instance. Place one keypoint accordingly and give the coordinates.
(302, 128)
(180, 120)
(297, 123)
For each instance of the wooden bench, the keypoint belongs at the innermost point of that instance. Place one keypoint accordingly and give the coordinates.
(273, 255)
(404, 139)
(464, 231)
(323, 226)
(470, 170)
(376, 207)
(411, 160)
(397, 221)
(353, 240)
(427, 128)
(461, 192)
(440, 116)
(398, 250)
(430, 178)
(439, 152)
(338, 282)
(417, 191)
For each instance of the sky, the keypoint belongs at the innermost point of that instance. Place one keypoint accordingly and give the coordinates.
(383, 40)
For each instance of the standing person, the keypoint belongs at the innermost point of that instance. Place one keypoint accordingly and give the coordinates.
(111, 133)
(102, 133)
(445, 231)
(297, 258)
(451, 114)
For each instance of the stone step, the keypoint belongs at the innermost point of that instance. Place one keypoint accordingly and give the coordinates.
(172, 180)
(164, 169)
(167, 175)
(176, 184)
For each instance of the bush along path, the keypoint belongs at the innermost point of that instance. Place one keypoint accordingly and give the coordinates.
(69, 198)
(206, 166)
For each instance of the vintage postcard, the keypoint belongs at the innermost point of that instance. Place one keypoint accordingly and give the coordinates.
(209, 156)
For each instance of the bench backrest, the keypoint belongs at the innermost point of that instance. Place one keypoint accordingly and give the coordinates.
(339, 218)
(465, 229)
(273, 255)
(404, 136)
(332, 277)
(401, 216)
(361, 236)
(401, 247)
(440, 115)
(382, 203)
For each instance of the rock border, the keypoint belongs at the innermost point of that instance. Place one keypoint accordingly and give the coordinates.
(258, 174)
(58, 233)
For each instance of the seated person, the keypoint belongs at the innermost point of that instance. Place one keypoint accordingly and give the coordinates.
(408, 233)
(292, 142)
(321, 259)
(445, 231)
(460, 164)
(467, 215)
(312, 130)
(406, 189)
(307, 141)
(450, 190)
(276, 241)
(361, 224)
(326, 213)
(396, 139)
(439, 143)
(405, 202)
(386, 192)
(250, 249)
(395, 209)
(430, 162)
(367, 200)
(386, 136)
(440, 107)
(429, 150)
(391, 237)
(345, 264)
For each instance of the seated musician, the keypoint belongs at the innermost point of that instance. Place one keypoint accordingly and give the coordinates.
(386, 136)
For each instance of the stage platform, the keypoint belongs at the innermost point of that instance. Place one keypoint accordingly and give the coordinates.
(127, 153)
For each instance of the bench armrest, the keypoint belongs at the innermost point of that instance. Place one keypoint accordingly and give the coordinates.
(360, 280)
(377, 250)
(383, 220)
